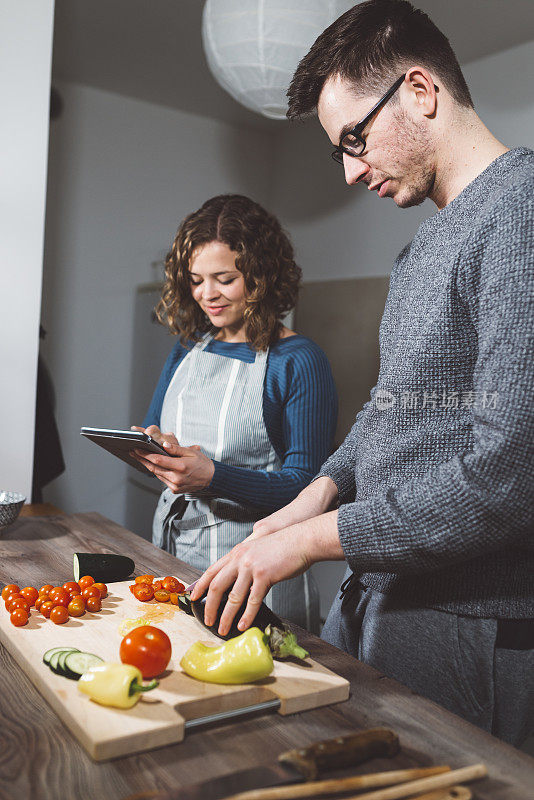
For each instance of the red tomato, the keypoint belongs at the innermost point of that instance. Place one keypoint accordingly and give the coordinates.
(157, 585)
(46, 608)
(90, 591)
(9, 589)
(93, 604)
(131, 587)
(144, 579)
(143, 592)
(76, 607)
(39, 602)
(19, 602)
(10, 598)
(174, 598)
(59, 596)
(86, 581)
(147, 648)
(59, 615)
(19, 617)
(173, 584)
(102, 588)
(46, 589)
(72, 587)
(162, 596)
(30, 593)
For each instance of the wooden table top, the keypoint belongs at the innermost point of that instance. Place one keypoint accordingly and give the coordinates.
(40, 759)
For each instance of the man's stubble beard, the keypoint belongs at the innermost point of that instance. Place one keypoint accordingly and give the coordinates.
(414, 160)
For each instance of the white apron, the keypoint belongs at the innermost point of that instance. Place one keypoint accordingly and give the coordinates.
(217, 402)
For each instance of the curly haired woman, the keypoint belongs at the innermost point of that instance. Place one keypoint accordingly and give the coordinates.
(249, 407)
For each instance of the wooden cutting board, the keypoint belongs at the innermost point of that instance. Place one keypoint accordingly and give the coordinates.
(159, 717)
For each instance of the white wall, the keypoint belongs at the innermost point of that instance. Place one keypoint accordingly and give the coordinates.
(123, 173)
(25, 63)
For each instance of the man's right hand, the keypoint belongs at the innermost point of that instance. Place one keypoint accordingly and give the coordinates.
(315, 499)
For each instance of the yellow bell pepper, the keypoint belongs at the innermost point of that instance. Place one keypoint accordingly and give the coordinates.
(116, 685)
(243, 659)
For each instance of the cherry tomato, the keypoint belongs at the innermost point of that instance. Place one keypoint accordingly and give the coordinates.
(131, 587)
(143, 592)
(174, 598)
(173, 584)
(102, 588)
(9, 589)
(86, 581)
(144, 579)
(39, 602)
(19, 617)
(19, 602)
(90, 591)
(162, 596)
(76, 607)
(147, 648)
(72, 587)
(46, 589)
(10, 598)
(59, 615)
(93, 604)
(46, 608)
(157, 585)
(59, 596)
(30, 593)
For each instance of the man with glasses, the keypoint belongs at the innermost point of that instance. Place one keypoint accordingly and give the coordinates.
(430, 497)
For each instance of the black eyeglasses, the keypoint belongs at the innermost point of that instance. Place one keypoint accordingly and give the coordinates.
(352, 142)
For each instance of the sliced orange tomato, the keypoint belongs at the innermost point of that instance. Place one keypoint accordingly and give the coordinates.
(144, 579)
(143, 592)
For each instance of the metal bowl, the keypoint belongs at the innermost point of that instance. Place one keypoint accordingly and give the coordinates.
(10, 505)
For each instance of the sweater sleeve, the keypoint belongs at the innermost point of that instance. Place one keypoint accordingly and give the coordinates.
(308, 410)
(153, 415)
(481, 500)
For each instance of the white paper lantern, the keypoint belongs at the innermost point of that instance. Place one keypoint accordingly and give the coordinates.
(253, 46)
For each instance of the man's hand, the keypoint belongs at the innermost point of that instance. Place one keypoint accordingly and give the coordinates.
(253, 566)
(184, 469)
(314, 500)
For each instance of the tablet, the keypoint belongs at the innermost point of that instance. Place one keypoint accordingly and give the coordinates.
(119, 443)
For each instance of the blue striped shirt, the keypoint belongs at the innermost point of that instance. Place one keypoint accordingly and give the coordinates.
(299, 411)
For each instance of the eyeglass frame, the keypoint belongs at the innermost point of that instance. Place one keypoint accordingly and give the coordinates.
(356, 131)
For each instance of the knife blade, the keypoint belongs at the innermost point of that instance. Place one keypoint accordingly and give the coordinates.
(293, 766)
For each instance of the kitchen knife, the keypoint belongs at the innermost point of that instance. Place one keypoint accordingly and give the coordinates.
(293, 766)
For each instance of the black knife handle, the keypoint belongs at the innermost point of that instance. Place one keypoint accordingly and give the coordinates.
(343, 751)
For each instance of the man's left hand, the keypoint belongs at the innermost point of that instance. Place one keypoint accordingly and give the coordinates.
(256, 564)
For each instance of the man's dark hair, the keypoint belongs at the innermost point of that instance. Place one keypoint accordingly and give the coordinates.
(370, 46)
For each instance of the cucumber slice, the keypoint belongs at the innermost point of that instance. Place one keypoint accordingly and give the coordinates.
(49, 653)
(78, 663)
(54, 658)
(61, 661)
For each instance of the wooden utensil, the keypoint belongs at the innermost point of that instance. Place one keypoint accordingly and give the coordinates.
(338, 785)
(418, 787)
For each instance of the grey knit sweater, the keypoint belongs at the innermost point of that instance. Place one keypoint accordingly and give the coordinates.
(436, 476)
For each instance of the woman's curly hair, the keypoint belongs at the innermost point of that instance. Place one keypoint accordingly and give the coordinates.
(264, 257)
